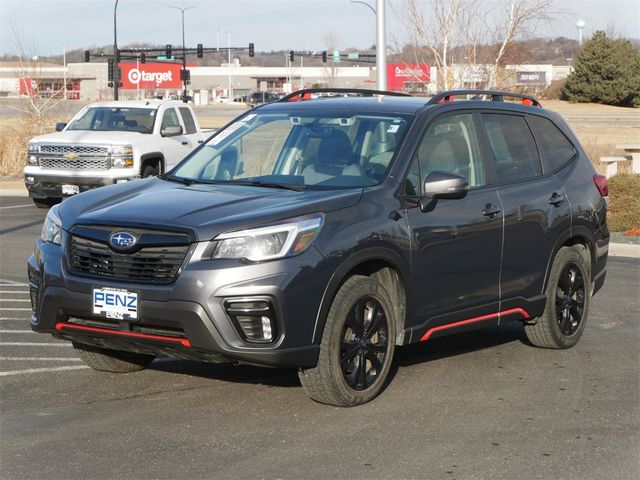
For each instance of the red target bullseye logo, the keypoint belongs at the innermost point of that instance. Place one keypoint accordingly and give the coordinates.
(134, 75)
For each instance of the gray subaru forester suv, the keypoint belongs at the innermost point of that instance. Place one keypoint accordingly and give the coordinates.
(321, 231)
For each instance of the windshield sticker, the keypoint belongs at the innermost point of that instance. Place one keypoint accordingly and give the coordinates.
(226, 132)
(393, 128)
(249, 117)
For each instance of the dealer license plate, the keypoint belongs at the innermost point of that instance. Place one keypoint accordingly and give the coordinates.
(70, 189)
(115, 303)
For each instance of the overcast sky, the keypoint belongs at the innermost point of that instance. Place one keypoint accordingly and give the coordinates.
(45, 26)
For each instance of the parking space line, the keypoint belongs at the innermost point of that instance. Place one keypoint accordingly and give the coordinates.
(41, 359)
(17, 331)
(16, 309)
(33, 344)
(12, 319)
(11, 283)
(14, 300)
(16, 292)
(14, 206)
(42, 370)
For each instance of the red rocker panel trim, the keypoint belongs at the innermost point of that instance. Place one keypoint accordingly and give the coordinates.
(70, 326)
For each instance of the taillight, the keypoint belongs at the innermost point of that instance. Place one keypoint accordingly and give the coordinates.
(602, 184)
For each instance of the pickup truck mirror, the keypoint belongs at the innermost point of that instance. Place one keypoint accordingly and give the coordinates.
(60, 126)
(171, 131)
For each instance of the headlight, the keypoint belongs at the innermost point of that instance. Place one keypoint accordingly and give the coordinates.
(33, 148)
(52, 226)
(122, 156)
(268, 243)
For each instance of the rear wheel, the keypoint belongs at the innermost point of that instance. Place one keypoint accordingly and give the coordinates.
(568, 294)
(45, 202)
(115, 361)
(357, 345)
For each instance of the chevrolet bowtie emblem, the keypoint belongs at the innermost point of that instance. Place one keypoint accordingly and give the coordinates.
(71, 156)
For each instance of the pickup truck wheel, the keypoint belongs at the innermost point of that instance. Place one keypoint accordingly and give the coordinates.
(114, 361)
(45, 202)
(357, 345)
(568, 293)
(150, 171)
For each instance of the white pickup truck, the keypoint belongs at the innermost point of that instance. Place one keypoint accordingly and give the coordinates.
(109, 142)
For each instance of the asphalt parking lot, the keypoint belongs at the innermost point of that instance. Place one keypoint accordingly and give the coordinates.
(481, 405)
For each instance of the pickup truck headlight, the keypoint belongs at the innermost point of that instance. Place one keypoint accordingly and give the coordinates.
(52, 227)
(268, 243)
(122, 156)
(32, 149)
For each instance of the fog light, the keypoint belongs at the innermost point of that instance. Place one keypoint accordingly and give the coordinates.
(33, 160)
(29, 180)
(254, 319)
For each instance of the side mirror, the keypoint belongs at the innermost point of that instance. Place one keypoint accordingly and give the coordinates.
(60, 126)
(171, 131)
(443, 185)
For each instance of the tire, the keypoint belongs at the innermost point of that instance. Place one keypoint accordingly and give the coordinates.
(150, 171)
(45, 202)
(568, 295)
(351, 339)
(114, 361)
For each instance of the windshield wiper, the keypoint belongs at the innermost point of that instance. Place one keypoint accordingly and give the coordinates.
(172, 178)
(257, 183)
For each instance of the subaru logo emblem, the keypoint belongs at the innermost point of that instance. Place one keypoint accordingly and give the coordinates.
(122, 240)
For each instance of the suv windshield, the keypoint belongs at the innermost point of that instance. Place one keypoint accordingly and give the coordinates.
(303, 149)
(139, 120)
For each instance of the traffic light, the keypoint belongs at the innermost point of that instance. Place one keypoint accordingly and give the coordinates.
(324, 56)
(291, 55)
(110, 70)
(117, 56)
(143, 57)
(168, 50)
(199, 50)
(252, 52)
(185, 75)
(87, 56)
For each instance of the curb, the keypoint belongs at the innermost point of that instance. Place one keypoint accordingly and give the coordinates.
(13, 192)
(624, 250)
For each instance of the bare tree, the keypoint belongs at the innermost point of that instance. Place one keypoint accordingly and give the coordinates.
(455, 31)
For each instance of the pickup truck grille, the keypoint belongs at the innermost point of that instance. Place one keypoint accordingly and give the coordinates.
(74, 157)
(149, 264)
(77, 164)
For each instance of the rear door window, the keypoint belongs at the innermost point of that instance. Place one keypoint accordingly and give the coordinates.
(187, 118)
(555, 149)
(513, 147)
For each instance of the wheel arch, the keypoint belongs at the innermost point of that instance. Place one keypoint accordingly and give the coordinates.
(387, 266)
(152, 158)
(578, 236)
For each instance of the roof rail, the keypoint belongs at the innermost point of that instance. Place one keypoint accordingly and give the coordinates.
(305, 94)
(495, 96)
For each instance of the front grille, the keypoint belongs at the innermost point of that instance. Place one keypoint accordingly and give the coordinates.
(77, 149)
(78, 163)
(149, 264)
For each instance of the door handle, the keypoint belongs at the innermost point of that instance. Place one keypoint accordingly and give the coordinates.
(200, 141)
(556, 199)
(185, 143)
(490, 210)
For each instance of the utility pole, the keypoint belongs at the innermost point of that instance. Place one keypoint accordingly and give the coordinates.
(381, 45)
(115, 80)
(185, 94)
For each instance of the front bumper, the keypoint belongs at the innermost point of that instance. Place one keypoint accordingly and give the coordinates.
(47, 184)
(186, 319)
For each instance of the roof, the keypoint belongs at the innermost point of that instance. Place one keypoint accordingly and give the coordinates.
(387, 104)
(151, 103)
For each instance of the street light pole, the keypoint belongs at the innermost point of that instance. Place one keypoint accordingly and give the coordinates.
(185, 94)
(115, 54)
(381, 41)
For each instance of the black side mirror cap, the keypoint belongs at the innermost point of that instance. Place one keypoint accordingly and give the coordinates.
(60, 126)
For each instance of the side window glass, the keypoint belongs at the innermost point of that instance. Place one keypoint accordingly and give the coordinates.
(450, 145)
(412, 183)
(187, 118)
(513, 147)
(170, 118)
(555, 149)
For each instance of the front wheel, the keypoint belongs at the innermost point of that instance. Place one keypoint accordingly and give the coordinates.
(357, 345)
(45, 202)
(568, 294)
(150, 171)
(114, 361)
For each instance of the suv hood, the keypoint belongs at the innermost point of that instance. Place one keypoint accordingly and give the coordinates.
(90, 137)
(205, 210)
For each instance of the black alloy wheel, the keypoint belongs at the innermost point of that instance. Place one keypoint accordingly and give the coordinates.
(363, 343)
(570, 298)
